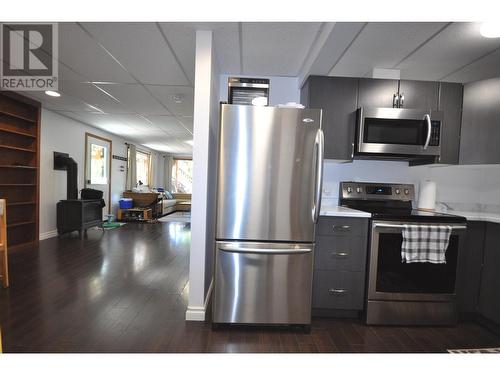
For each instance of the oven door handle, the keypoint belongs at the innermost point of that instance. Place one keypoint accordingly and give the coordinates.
(384, 225)
(427, 119)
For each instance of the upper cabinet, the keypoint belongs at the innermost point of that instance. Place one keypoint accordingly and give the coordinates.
(418, 95)
(481, 123)
(337, 96)
(450, 104)
(391, 93)
(378, 93)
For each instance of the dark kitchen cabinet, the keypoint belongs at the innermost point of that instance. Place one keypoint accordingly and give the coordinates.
(339, 266)
(469, 268)
(390, 93)
(377, 92)
(418, 95)
(489, 295)
(481, 123)
(450, 104)
(337, 97)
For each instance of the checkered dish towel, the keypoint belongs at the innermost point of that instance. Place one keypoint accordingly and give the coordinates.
(425, 243)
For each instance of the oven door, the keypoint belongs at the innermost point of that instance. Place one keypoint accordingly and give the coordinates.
(395, 131)
(392, 280)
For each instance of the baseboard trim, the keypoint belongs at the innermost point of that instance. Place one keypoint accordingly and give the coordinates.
(198, 313)
(49, 234)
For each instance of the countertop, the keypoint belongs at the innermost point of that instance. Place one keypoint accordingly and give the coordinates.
(474, 215)
(331, 209)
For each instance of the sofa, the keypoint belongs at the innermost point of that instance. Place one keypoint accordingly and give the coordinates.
(180, 202)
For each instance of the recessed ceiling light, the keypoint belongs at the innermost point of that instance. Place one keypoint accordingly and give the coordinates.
(53, 93)
(490, 29)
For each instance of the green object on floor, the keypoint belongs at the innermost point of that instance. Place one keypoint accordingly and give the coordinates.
(111, 225)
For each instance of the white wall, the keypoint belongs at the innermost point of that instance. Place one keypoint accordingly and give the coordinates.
(205, 121)
(281, 89)
(59, 133)
(466, 185)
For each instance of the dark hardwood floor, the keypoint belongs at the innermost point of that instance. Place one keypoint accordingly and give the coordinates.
(126, 291)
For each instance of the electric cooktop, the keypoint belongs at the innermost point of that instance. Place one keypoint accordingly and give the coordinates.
(389, 202)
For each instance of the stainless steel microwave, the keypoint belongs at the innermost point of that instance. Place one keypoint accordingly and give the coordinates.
(393, 132)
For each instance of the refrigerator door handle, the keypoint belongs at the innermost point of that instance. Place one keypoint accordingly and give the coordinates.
(254, 250)
(319, 145)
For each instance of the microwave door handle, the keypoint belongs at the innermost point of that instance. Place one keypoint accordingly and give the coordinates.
(427, 118)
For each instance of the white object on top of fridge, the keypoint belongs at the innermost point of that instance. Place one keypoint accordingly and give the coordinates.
(291, 105)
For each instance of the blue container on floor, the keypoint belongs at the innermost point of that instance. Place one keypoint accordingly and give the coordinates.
(126, 203)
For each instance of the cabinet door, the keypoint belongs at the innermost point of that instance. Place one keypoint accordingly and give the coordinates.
(450, 104)
(336, 96)
(469, 267)
(419, 95)
(489, 297)
(377, 92)
(481, 123)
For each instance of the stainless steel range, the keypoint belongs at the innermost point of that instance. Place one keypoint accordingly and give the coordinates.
(404, 293)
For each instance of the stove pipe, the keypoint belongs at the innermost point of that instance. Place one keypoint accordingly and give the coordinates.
(65, 162)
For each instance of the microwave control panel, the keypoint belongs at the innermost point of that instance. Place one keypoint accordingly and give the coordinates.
(435, 133)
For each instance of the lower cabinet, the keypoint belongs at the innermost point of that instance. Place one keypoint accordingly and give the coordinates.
(478, 277)
(469, 268)
(489, 294)
(340, 266)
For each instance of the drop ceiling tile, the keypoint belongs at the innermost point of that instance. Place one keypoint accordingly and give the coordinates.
(457, 45)
(187, 121)
(487, 67)
(338, 40)
(182, 38)
(227, 47)
(383, 45)
(79, 51)
(141, 49)
(276, 48)
(67, 74)
(62, 103)
(136, 98)
(167, 94)
(93, 96)
(169, 124)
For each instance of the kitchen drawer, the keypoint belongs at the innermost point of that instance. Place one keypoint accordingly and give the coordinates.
(343, 253)
(341, 226)
(338, 290)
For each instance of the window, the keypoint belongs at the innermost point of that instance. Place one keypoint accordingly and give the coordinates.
(98, 165)
(182, 176)
(143, 164)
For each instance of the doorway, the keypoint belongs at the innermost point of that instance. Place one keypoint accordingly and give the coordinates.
(98, 166)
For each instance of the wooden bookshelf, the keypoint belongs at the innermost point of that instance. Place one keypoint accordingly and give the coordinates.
(20, 167)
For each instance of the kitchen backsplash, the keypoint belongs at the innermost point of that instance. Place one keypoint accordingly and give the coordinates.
(473, 186)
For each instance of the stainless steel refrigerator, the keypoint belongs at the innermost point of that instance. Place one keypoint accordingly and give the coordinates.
(268, 198)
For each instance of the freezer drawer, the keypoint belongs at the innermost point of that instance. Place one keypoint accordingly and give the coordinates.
(263, 283)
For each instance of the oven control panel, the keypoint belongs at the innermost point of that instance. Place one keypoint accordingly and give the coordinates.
(376, 191)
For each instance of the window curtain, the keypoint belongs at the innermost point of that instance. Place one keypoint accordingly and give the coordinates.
(131, 180)
(152, 170)
(169, 162)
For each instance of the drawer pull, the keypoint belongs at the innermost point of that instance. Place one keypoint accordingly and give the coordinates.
(337, 291)
(341, 254)
(341, 228)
